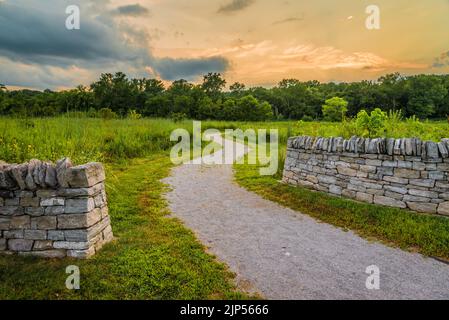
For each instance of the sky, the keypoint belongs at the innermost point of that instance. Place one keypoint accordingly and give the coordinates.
(257, 42)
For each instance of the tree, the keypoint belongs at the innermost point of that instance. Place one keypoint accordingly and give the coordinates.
(207, 109)
(237, 88)
(250, 109)
(213, 85)
(392, 89)
(425, 93)
(335, 109)
(154, 87)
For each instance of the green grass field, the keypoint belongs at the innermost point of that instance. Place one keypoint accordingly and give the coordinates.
(156, 257)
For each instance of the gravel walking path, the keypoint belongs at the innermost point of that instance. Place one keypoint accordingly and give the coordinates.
(283, 254)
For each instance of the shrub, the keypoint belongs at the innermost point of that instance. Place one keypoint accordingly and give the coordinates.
(307, 118)
(178, 116)
(335, 109)
(92, 113)
(371, 125)
(133, 115)
(106, 113)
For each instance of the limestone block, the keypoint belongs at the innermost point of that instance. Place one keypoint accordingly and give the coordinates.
(5, 223)
(364, 197)
(432, 150)
(79, 205)
(423, 207)
(2, 244)
(86, 176)
(423, 193)
(56, 235)
(52, 202)
(79, 221)
(395, 180)
(12, 202)
(71, 245)
(46, 254)
(44, 223)
(385, 201)
(35, 234)
(11, 210)
(29, 202)
(20, 222)
(62, 168)
(347, 171)
(428, 183)
(20, 245)
(35, 211)
(81, 254)
(54, 211)
(13, 234)
(406, 173)
(443, 209)
(337, 190)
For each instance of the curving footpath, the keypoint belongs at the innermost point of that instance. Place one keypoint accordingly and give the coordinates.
(283, 254)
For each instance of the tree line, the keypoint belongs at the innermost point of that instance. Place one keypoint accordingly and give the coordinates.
(425, 96)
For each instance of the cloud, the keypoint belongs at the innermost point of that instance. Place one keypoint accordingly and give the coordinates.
(288, 20)
(133, 10)
(172, 69)
(235, 5)
(441, 61)
(265, 62)
(34, 39)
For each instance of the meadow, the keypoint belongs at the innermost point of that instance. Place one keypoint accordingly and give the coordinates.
(87, 139)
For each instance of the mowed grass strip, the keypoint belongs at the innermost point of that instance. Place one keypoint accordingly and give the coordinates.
(154, 256)
(428, 235)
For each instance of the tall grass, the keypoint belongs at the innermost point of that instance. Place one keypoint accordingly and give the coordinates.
(85, 139)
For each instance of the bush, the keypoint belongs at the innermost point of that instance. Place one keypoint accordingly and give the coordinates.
(307, 118)
(335, 109)
(178, 116)
(133, 115)
(371, 125)
(106, 113)
(92, 113)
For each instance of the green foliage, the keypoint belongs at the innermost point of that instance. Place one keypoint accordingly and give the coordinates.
(107, 114)
(426, 96)
(133, 115)
(307, 118)
(335, 109)
(178, 117)
(371, 125)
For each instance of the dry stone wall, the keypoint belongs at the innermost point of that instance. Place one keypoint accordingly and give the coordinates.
(53, 210)
(402, 173)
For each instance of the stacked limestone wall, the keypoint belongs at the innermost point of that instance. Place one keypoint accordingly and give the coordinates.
(402, 173)
(53, 211)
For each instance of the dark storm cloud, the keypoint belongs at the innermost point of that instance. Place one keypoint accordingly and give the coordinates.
(133, 10)
(33, 32)
(172, 69)
(41, 37)
(235, 5)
